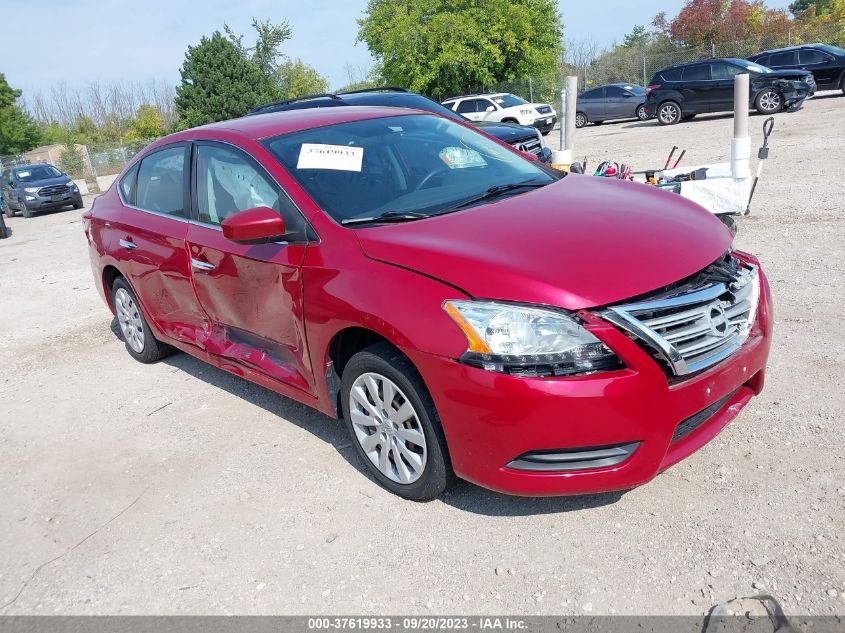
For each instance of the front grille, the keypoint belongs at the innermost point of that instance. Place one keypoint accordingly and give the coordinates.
(697, 324)
(531, 145)
(544, 109)
(53, 190)
(694, 421)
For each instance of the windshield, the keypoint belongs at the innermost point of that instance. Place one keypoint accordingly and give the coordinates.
(832, 49)
(509, 101)
(37, 172)
(751, 66)
(419, 164)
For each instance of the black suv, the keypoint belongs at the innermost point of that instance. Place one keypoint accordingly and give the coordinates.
(39, 187)
(827, 63)
(680, 92)
(522, 137)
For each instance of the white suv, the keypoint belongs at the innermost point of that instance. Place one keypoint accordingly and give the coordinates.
(506, 108)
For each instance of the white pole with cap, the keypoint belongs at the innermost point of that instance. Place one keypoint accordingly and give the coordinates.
(741, 141)
(568, 97)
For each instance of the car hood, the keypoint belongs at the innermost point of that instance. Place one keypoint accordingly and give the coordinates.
(578, 243)
(46, 182)
(507, 132)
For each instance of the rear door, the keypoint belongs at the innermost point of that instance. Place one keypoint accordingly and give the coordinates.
(698, 88)
(822, 65)
(149, 236)
(592, 103)
(252, 294)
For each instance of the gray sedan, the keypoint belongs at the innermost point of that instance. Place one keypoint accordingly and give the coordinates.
(614, 101)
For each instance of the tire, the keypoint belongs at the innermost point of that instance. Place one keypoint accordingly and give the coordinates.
(25, 212)
(729, 222)
(414, 438)
(137, 336)
(77, 205)
(769, 101)
(642, 115)
(580, 120)
(668, 113)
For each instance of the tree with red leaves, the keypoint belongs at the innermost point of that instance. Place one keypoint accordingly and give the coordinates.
(703, 22)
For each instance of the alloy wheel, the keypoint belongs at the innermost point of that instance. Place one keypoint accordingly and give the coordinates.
(388, 428)
(770, 101)
(642, 115)
(580, 120)
(129, 318)
(669, 113)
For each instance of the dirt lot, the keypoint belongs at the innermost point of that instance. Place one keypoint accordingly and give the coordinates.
(177, 488)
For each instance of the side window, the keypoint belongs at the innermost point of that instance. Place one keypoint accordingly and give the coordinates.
(614, 92)
(127, 185)
(762, 61)
(812, 56)
(787, 58)
(595, 93)
(467, 106)
(483, 104)
(161, 182)
(674, 74)
(228, 181)
(725, 71)
(699, 72)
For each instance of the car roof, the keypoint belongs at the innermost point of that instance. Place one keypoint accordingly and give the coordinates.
(477, 94)
(785, 48)
(259, 126)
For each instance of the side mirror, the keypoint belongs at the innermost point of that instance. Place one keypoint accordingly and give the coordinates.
(254, 226)
(490, 109)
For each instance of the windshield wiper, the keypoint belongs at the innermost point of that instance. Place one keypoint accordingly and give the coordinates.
(388, 216)
(495, 191)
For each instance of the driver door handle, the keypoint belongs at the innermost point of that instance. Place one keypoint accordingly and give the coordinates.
(201, 265)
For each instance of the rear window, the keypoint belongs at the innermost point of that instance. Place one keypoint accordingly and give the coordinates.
(787, 58)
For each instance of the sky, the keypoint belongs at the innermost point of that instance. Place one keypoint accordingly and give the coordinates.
(142, 41)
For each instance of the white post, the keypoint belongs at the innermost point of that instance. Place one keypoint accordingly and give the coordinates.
(568, 98)
(741, 142)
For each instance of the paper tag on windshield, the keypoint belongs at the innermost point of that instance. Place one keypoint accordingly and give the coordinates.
(23, 174)
(337, 157)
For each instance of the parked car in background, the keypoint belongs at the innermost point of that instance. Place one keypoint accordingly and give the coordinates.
(466, 310)
(504, 107)
(613, 101)
(524, 138)
(39, 187)
(680, 92)
(827, 63)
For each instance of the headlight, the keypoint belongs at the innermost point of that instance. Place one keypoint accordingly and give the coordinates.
(527, 341)
(72, 185)
(31, 189)
(526, 112)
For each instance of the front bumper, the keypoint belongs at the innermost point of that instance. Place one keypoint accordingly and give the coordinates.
(492, 419)
(545, 123)
(36, 202)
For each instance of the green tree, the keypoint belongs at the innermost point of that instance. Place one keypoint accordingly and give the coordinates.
(71, 161)
(218, 83)
(296, 78)
(269, 38)
(148, 123)
(18, 132)
(821, 7)
(451, 46)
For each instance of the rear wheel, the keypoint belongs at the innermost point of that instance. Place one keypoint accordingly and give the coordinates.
(642, 115)
(580, 119)
(394, 426)
(768, 101)
(669, 113)
(139, 339)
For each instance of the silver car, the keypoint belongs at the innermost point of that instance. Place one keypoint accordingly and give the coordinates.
(613, 101)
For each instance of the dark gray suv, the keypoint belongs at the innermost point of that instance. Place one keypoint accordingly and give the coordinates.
(41, 187)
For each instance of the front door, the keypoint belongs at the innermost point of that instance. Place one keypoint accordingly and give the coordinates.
(252, 294)
(823, 66)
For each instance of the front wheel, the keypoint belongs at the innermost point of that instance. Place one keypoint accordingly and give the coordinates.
(394, 426)
(768, 102)
(642, 115)
(25, 211)
(669, 113)
(580, 120)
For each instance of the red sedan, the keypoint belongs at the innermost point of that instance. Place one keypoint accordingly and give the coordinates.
(466, 310)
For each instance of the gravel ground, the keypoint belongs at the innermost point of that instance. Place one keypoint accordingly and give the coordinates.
(177, 488)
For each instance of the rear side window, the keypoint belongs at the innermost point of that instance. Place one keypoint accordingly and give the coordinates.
(673, 74)
(161, 182)
(595, 93)
(763, 60)
(811, 56)
(127, 185)
(467, 106)
(700, 72)
(788, 58)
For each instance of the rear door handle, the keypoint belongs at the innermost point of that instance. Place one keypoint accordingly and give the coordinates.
(200, 265)
(128, 244)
